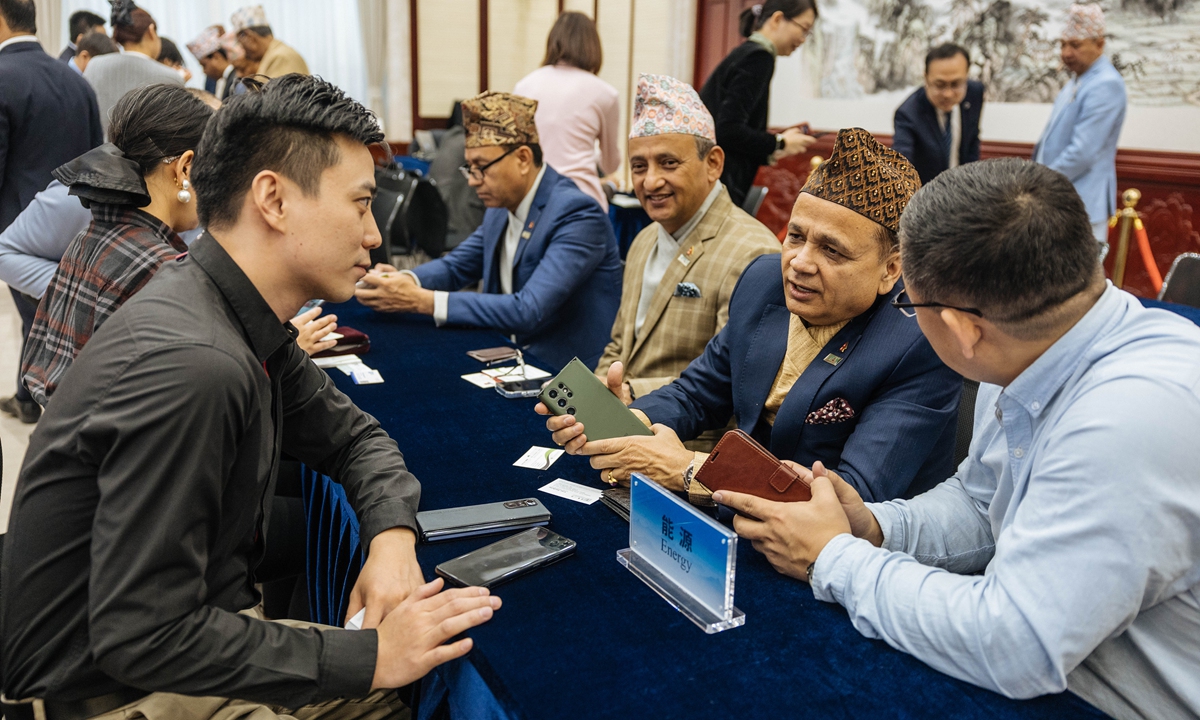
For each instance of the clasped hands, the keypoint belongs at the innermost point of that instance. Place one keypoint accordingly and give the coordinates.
(387, 289)
(789, 534)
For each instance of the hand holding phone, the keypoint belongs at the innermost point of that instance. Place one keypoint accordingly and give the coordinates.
(577, 392)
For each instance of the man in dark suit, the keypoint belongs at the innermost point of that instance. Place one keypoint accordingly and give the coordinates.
(937, 127)
(814, 363)
(48, 116)
(545, 251)
(81, 23)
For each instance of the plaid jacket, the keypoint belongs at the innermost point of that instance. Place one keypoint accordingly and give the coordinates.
(104, 266)
(681, 320)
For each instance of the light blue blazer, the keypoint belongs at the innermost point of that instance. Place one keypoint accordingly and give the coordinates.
(1080, 141)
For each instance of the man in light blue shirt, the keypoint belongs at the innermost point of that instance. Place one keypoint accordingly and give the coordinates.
(1080, 139)
(32, 245)
(1079, 502)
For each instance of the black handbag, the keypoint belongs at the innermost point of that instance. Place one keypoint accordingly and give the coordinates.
(410, 213)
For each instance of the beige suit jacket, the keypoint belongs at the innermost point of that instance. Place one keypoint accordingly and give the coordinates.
(281, 59)
(676, 329)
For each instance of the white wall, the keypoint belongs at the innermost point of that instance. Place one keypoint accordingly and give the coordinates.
(1146, 128)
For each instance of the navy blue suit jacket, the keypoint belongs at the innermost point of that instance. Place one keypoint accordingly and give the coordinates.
(566, 276)
(48, 116)
(918, 136)
(900, 440)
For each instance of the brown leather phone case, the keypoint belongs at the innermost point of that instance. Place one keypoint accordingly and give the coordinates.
(740, 464)
(493, 354)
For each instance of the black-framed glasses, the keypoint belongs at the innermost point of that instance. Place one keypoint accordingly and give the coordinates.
(470, 171)
(901, 303)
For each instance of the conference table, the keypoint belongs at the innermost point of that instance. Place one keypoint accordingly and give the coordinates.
(584, 638)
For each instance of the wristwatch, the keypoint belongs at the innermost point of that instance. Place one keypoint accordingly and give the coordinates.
(809, 571)
(780, 143)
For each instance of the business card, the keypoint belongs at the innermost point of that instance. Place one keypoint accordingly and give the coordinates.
(538, 458)
(572, 491)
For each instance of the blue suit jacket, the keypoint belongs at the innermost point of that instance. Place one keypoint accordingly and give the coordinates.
(918, 136)
(905, 401)
(48, 116)
(1080, 141)
(566, 276)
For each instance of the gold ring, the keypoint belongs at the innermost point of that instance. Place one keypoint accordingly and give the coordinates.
(611, 480)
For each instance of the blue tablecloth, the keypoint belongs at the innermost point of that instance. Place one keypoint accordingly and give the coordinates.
(584, 638)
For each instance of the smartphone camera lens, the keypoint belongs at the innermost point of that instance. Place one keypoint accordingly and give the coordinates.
(561, 386)
(553, 393)
(562, 402)
(570, 394)
(571, 411)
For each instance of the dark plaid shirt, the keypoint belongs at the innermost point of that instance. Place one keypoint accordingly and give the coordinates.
(103, 267)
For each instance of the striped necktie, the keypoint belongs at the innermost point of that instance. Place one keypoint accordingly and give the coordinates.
(947, 136)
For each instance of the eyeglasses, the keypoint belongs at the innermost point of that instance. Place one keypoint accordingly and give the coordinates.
(901, 303)
(806, 30)
(471, 172)
(941, 86)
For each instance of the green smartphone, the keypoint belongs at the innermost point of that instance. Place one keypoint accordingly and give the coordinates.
(577, 391)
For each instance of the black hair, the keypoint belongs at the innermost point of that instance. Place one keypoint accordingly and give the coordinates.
(21, 15)
(287, 125)
(703, 146)
(96, 44)
(748, 21)
(1008, 237)
(262, 30)
(169, 55)
(82, 22)
(157, 122)
(945, 51)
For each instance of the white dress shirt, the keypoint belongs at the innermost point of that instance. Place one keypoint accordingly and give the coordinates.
(219, 89)
(663, 253)
(18, 39)
(508, 252)
(1080, 502)
(955, 119)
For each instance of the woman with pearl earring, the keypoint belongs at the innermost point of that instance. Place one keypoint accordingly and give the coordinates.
(138, 189)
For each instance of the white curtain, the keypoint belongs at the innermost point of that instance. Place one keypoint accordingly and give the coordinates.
(327, 33)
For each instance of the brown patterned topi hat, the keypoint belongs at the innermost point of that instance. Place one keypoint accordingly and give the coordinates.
(499, 118)
(866, 177)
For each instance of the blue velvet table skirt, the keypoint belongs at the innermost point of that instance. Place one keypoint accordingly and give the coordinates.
(584, 638)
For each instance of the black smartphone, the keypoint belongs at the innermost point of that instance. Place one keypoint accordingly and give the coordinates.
(485, 519)
(510, 558)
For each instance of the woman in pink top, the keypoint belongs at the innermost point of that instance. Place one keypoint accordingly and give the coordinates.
(576, 109)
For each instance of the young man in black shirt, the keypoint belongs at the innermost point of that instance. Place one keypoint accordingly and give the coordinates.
(141, 508)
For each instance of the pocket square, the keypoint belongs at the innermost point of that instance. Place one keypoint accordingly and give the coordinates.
(687, 289)
(835, 411)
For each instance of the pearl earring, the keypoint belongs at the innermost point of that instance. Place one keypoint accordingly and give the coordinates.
(185, 195)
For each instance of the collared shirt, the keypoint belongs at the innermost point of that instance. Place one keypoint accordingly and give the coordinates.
(760, 39)
(102, 268)
(954, 117)
(508, 252)
(663, 253)
(804, 343)
(219, 90)
(17, 39)
(146, 492)
(74, 65)
(1079, 502)
(32, 246)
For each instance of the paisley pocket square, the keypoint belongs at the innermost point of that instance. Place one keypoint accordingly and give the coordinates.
(687, 289)
(835, 411)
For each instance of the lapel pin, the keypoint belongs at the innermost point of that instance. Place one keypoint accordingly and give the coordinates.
(833, 360)
(525, 235)
(843, 347)
(691, 250)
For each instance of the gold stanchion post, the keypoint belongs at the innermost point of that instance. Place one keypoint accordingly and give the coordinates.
(1126, 217)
